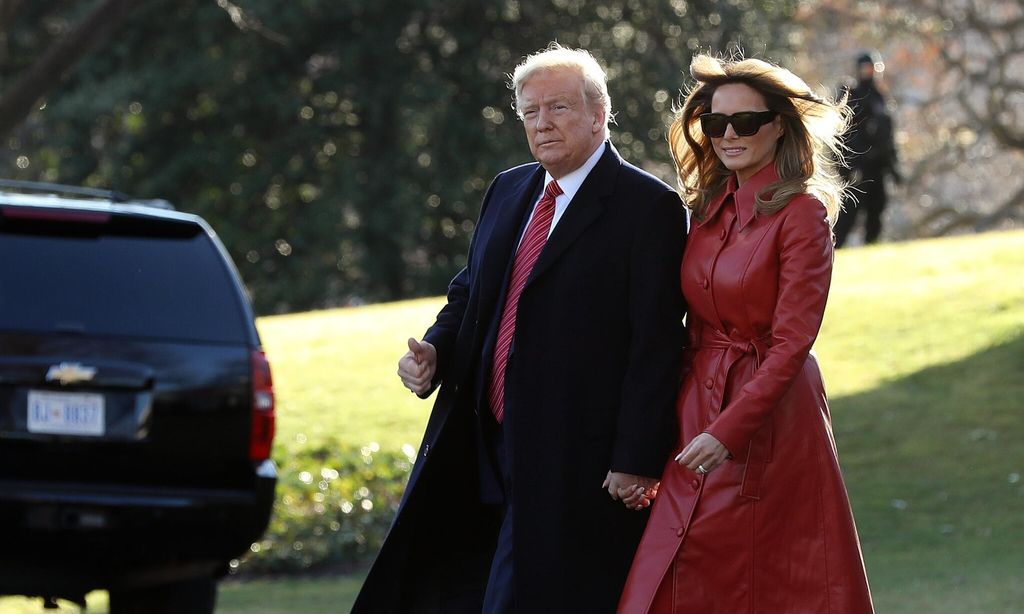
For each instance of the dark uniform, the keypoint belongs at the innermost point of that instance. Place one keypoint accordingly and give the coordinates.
(871, 156)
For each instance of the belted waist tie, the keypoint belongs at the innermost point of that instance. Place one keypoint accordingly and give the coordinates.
(759, 451)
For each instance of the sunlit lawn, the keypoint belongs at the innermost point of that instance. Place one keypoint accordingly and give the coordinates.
(894, 309)
(334, 373)
(923, 352)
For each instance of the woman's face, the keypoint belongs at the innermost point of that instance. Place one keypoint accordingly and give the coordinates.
(744, 155)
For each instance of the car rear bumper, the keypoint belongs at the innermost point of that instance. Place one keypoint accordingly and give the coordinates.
(63, 537)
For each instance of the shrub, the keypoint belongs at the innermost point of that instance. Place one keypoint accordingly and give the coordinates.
(334, 505)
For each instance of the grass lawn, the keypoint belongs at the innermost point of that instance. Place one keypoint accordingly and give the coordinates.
(894, 309)
(287, 596)
(335, 373)
(923, 353)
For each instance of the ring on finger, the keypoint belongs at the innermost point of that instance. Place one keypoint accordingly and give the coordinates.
(701, 470)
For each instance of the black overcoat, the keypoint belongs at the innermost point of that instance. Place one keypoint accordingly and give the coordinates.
(590, 386)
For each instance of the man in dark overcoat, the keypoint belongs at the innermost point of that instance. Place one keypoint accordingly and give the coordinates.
(557, 356)
(871, 155)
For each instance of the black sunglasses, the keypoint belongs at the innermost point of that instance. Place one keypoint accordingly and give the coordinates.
(745, 123)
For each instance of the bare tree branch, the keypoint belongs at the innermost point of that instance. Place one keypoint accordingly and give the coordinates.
(47, 72)
(244, 22)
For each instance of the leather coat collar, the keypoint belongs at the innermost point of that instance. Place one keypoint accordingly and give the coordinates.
(744, 196)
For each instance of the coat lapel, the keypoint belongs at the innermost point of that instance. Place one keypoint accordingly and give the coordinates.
(501, 245)
(585, 207)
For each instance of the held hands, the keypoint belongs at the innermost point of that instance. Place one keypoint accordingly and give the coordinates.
(417, 367)
(703, 454)
(635, 491)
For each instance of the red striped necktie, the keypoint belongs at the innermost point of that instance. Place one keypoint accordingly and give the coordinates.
(530, 247)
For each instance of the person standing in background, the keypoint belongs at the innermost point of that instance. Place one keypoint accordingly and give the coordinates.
(871, 153)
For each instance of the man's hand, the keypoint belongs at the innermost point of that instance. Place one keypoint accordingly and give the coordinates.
(635, 491)
(703, 454)
(417, 367)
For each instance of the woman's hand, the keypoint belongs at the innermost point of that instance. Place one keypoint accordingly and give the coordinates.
(703, 454)
(635, 491)
(638, 497)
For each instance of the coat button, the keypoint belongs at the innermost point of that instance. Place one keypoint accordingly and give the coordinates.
(709, 383)
(704, 283)
(695, 484)
(721, 235)
(679, 532)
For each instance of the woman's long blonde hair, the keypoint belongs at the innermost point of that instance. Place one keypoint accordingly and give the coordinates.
(807, 155)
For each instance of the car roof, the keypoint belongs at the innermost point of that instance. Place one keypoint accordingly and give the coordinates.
(158, 209)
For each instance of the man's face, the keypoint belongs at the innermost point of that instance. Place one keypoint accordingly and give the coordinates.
(866, 71)
(562, 129)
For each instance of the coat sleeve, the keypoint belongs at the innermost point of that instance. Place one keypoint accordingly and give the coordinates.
(805, 273)
(646, 426)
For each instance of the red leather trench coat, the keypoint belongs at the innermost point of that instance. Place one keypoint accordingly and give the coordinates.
(771, 530)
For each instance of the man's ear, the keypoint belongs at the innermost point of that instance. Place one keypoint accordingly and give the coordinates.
(599, 119)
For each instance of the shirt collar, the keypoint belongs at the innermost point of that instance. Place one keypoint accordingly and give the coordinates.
(572, 182)
(745, 196)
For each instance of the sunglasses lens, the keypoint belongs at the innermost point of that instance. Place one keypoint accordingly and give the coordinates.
(746, 124)
(713, 124)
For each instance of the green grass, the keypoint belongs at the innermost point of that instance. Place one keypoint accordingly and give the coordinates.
(933, 463)
(285, 596)
(898, 308)
(334, 373)
(328, 595)
(894, 309)
(923, 353)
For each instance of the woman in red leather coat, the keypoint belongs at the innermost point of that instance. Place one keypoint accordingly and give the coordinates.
(752, 514)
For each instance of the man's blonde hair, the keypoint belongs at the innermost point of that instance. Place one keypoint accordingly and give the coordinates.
(555, 56)
(808, 153)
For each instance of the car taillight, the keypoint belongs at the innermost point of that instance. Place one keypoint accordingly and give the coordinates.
(262, 408)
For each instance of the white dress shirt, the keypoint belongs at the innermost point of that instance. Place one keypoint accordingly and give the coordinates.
(570, 184)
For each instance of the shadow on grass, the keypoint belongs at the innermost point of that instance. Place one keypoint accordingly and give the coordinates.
(934, 464)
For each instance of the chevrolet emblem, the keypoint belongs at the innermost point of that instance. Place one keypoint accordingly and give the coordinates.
(70, 373)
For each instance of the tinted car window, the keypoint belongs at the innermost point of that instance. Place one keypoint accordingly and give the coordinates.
(125, 277)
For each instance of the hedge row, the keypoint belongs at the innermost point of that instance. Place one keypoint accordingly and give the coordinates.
(334, 505)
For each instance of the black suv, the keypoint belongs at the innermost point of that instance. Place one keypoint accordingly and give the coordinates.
(136, 406)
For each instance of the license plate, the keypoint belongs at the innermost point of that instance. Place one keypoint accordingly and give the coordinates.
(65, 413)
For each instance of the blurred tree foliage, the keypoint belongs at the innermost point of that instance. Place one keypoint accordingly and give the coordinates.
(341, 148)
